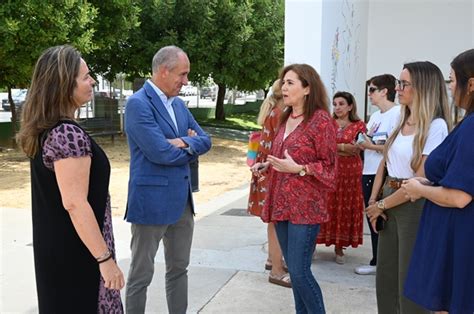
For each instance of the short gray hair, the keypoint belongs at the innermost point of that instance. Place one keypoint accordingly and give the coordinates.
(166, 56)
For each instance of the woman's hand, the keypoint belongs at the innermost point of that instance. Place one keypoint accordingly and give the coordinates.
(351, 149)
(367, 144)
(113, 276)
(373, 212)
(348, 149)
(259, 167)
(286, 164)
(412, 187)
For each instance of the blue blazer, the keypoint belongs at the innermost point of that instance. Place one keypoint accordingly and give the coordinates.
(160, 183)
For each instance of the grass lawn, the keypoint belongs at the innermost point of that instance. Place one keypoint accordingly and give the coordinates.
(239, 121)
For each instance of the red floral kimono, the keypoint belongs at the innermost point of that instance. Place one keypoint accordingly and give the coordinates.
(258, 185)
(303, 199)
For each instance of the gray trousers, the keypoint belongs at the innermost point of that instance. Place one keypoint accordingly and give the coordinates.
(177, 239)
(395, 247)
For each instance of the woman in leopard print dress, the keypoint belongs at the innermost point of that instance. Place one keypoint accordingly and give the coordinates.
(73, 244)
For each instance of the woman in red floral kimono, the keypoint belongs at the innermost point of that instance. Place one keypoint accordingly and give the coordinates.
(302, 168)
(268, 118)
(346, 204)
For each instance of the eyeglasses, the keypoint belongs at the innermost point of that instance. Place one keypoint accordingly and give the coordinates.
(401, 84)
(372, 90)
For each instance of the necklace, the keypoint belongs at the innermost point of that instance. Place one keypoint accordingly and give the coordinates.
(342, 125)
(295, 116)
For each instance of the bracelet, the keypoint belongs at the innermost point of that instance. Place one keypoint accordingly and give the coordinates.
(107, 255)
(105, 259)
(342, 149)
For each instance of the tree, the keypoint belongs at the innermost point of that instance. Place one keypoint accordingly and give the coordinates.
(112, 29)
(238, 43)
(98, 28)
(28, 27)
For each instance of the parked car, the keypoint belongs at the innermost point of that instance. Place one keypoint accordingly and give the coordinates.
(188, 90)
(207, 92)
(18, 99)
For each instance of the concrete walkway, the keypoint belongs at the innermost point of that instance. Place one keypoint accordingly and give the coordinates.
(226, 274)
(230, 134)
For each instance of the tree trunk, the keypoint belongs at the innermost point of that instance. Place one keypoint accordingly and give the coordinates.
(138, 83)
(220, 113)
(14, 118)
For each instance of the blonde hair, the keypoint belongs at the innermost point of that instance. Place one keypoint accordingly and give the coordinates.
(430, 101)
(49, 97)
(272, 100)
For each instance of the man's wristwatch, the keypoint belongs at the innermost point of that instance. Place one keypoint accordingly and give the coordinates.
(381, 205)
(302, 172)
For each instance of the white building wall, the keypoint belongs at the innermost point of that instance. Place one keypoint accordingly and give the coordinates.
(303, 27)
(344, 47)
(349, 41)
(330, 35)
(417, 30)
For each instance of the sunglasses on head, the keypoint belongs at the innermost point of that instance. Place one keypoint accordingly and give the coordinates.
(372, 89)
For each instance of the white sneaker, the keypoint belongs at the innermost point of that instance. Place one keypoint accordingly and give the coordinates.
(365, 270)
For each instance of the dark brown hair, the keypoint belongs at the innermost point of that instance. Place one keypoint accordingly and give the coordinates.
(463, 66)
(49, 97)
(353, 117)
(385, 81)
(317, 97)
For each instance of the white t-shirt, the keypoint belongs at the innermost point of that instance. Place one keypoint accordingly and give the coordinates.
(401, 151)
(380, 126)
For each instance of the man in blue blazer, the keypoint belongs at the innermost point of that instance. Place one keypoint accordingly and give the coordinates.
(163, 138)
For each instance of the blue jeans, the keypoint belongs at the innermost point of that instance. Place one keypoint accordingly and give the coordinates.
(297, 246)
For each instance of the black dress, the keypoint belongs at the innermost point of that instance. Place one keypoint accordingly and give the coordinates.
(67, 275)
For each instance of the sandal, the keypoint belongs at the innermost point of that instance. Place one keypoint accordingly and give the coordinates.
(269, 266)
(282, 280)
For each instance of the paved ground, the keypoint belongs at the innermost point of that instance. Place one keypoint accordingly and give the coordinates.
(226, 274)
(230, 134)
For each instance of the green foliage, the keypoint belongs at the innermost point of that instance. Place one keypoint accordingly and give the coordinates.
(113, 27)
(28, 27)
(239, 43)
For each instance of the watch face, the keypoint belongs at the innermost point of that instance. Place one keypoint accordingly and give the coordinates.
(302, 172)
(381, 204)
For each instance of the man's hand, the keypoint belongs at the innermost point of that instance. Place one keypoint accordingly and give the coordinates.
(191, 133)
(177, 142)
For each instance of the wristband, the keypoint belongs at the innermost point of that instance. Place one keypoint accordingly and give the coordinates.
(107, 254)
(105, 259)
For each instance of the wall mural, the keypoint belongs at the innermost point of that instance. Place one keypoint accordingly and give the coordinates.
(345, 58)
